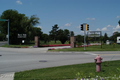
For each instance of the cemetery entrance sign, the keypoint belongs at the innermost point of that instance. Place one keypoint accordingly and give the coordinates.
(21, 35)
(94, 33)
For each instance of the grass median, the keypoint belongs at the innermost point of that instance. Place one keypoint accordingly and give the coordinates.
(92, 48)
(16, 46)
(109, 69)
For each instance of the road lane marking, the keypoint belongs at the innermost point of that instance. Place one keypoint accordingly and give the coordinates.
(90, 53)
(108, 54)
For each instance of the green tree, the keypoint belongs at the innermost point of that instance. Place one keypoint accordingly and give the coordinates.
(114, 36)
(67, 33)
(79, 38)
(31, 31)
(54, 32)
(19, 24)
(36, 32)
(2, 37)
(71, 33)
(45, 38)
(105, 37)
(62, 35)
(119, 22)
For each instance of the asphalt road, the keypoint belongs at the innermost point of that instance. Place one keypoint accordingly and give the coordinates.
(20, 59)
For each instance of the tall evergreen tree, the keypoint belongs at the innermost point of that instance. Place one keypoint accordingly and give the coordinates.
(54, 32)
(105, 37)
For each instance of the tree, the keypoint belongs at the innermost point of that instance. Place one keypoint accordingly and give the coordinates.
(114, 36)
(28, 23)
(54, 32)
(45, 38)
(71, 33)
(67, 33)
(36, 32)
(119, 22)
(2, 37)
(79, 38)
(105, 37)
(19, 24)
(62, 35)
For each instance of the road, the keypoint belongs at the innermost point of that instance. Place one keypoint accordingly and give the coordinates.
(20, 59)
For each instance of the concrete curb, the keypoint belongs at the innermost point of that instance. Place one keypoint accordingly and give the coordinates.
(7, 76)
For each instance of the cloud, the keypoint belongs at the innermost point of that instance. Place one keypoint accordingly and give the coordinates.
(90, 18)
(104, 29)
(118, 17)
(117, 28)
(18, 2)
(97, 29)
(39, 26)
(79, 33)
(109, 26)
(68, 24)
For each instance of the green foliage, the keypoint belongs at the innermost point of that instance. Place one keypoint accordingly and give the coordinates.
(119, 22)
(54, 32)
(105, 37)
(114, 36)
(19, 24)
(59, 34)
(45, 38)
(79, 38)
(2, 37)
(67, 33)
(36, 32)
(63, 35)
(71, 33)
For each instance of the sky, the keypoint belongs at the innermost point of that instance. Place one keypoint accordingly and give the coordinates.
(101, 15)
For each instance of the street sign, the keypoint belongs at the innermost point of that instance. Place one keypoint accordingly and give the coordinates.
(3, 20)
(94, 33)
(22, 35)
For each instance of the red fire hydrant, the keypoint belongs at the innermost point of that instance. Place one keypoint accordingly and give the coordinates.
(98, 63)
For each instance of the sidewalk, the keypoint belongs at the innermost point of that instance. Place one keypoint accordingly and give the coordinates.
(7, 76)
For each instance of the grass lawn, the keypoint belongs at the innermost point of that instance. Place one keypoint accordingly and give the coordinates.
(16, 45)
(88, 70)
(93, 48)
(32, 44)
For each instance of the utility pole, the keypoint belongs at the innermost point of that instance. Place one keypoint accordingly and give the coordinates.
(84, 27)
(8, 31)
(8, 27)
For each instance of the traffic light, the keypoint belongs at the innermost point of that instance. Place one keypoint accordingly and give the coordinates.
(87, 27)
(82, 28)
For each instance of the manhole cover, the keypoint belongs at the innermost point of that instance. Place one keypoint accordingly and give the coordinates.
(42, 61)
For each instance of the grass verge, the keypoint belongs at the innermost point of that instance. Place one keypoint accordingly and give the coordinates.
(88, 70)
(92, 48)
(16, 46)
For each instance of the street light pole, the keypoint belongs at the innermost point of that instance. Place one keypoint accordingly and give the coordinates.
(84, 26)
(8, 31)
(8, 27)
